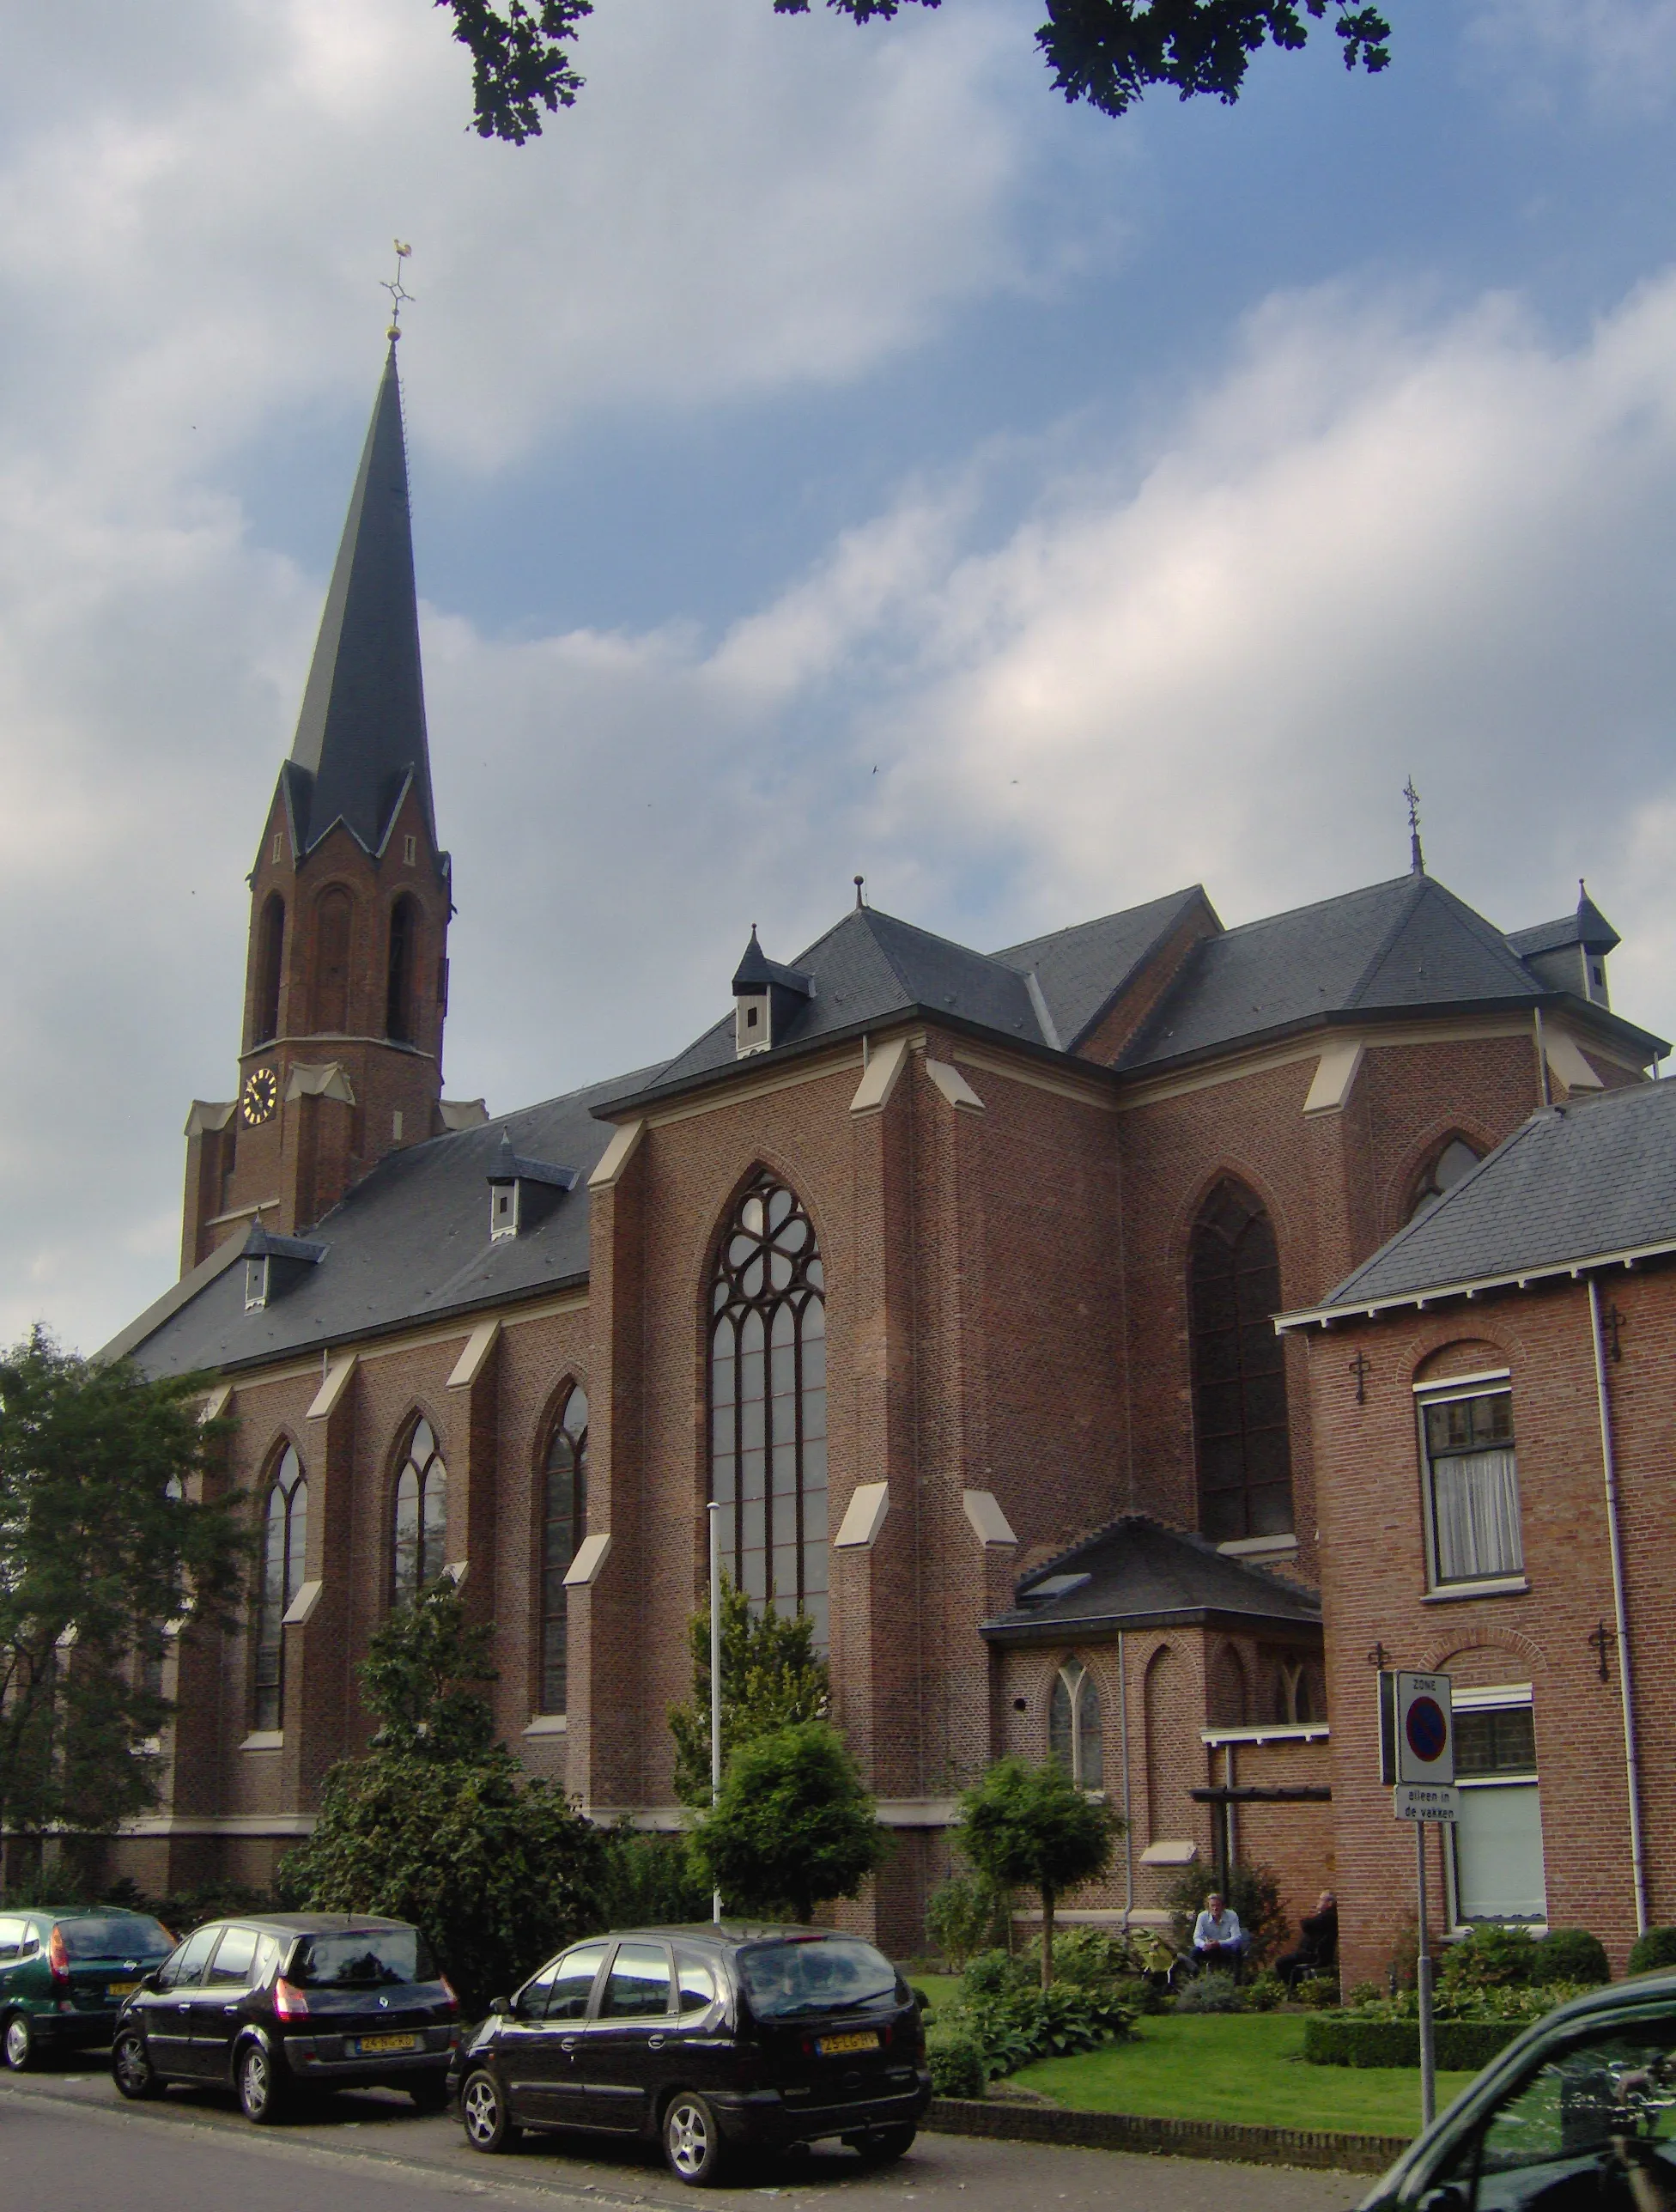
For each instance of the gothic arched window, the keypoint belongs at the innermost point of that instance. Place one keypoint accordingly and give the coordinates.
(398, 989)
(563, 1517)
(334, 929)
(422, 1516)
(1239, 1375)
(1457, 1159)
(1073, 1726)
(284, 1542)
(269, 969)
(768, 1404)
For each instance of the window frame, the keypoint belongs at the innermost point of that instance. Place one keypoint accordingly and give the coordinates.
(1455, 1391)
(268, 1718)
(1076, 1678)
(1205, 1229)
(433, 1467)
(545, 1622)
(1494, 1698)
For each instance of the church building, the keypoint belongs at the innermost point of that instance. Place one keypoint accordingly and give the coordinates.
(950, 1275)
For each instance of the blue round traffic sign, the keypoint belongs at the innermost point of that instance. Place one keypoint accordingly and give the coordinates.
(1427, 1730)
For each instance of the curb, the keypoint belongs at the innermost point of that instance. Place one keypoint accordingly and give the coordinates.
(1132, 2131)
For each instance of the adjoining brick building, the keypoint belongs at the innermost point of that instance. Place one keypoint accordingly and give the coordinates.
(949, 1275)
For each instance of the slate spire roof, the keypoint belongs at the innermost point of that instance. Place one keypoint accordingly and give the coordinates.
(362, 732)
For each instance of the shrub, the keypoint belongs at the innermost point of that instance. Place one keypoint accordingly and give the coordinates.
(1211, 1992)
(1653, 1951)
(1571, 1954)
(794, 1824)
(966, 1915)
(992, 1973)
(1363, 1993)
(1252, 1891)
(1337, 2038)
(1012, 2021)
(957, 2060)
(1490, 1958)
(1317, 1992)
(650, 1881)
(1265, 1993)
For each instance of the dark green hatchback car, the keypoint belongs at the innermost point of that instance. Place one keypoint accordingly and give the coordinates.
(65, 1971)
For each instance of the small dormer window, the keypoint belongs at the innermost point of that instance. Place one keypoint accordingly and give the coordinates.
(503, 1210)
(256, 1283)
(752, 1027)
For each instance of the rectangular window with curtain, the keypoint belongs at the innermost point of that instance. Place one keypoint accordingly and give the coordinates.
(1471, 1477)
(1496, 1847)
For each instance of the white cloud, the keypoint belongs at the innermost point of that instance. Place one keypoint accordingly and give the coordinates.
(1619, 54)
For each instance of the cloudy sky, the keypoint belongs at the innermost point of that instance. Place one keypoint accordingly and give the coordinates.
(830, 454)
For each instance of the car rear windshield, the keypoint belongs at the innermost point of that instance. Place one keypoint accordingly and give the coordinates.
(830, 1974)
(116, 1935)
(363, 1959)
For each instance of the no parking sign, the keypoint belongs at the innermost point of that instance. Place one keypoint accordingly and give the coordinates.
(1424, 1729)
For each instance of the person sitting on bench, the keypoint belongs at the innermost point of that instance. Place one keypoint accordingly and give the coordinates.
(1217, 1938)
(1317, 1951)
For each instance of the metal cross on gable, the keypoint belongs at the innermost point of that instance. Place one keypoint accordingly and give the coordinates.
(1600, 1643)
(1379, 1656)
(1361, 1367)
(1614, 1322)
(397, 294)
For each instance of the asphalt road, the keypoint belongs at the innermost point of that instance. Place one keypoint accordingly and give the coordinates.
(68, 2143)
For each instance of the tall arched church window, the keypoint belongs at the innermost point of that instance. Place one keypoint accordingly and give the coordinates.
(768, 1404)
(270, 968)
(1073, 1726)
(398, 991)
(334, 924)
(1238, 1375)
(1456, 1160)
(284, 1544)
(563, 1517)
(422, 1516)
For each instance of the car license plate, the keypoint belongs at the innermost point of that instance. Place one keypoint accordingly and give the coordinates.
(387, 2042)
(120, 1988)
(830, 2046)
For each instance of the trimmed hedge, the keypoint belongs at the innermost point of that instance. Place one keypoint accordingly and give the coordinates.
(956, 2061)
(1651, 1953)
(1338, 2038)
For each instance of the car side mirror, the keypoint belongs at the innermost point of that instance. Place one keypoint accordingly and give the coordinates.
(1444, 2198)
(501, 2007)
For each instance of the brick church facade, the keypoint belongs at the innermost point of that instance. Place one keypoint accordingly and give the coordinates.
(950, 1275)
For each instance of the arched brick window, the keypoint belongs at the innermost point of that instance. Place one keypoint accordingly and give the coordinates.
(398, 991)
(284, 1543)
(420, 1527)
(269, 969)
(1454, 1160)
(334, 930)
(1239, 1374)
(563, 1517)
(1074, 1737)
(768, 1404)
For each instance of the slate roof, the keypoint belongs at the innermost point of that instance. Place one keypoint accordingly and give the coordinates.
(1587, 926)
(1141, 1573)
(362, 732)
(1593, 1179)
(410, 1244)
(1082, 970)
(1402, 946)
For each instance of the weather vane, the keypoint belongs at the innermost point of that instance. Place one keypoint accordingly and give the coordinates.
(397, 293)
(1417, 859)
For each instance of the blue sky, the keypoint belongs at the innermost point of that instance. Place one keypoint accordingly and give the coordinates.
(830, 453)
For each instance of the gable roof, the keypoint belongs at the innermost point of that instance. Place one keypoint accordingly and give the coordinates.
(361, 736)
(1081, 970)
(1591, 1181)
(1141, 1574)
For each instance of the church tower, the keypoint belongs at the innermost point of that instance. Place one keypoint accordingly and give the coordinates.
(347, 976)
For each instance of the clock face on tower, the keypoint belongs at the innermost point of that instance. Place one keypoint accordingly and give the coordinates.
(260, 1096)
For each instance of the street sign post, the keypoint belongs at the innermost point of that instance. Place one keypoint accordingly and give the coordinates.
(1416, 1755)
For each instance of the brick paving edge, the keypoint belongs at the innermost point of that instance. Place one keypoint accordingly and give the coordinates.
(1134, 2131)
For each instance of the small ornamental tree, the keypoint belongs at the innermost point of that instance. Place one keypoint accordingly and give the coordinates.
(794, 1824)
(438, 1824)
(771, 1679)
(1024, 1826)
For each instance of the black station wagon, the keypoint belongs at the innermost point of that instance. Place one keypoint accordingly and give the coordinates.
(282, 2000)
(709, 2040)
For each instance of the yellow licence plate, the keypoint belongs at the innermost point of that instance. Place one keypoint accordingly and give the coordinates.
(120, 1988)
(389, 2043)
(829, 2046)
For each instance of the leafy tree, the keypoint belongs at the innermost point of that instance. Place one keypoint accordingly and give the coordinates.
(1024, 1826)
(794, 1824)
(438, 1824)
(1105, 52)
(102, 1543)
(770, 1678)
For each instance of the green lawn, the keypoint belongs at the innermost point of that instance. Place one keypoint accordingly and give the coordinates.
(1240, 2066)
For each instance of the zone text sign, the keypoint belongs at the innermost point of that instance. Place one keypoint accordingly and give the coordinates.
(1425, 1801)
(1424, 1729)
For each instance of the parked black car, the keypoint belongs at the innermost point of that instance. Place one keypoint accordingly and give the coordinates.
(268, 2003)
(64, 1971)
(1579, 2115)
(708, 2039)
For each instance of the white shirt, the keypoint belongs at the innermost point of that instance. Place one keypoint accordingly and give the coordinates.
(1225, 1931)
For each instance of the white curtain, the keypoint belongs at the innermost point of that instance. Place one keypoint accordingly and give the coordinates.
(1475, 1515)
(1498, 1855)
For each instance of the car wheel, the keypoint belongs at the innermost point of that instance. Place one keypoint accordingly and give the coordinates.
(693, 2147)
(885, 2145)
(131, 2068)
(429, 2093)
(482, 2111)
(261, 2094)
(23, 2044)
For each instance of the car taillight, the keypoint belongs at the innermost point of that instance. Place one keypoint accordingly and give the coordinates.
(58, 1958)
(454, 2001)
(289, 2003)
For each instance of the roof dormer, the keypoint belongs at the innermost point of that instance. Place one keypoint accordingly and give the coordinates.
(766, 999)
(275, 1265)
(522, 1192)
(1571, 954)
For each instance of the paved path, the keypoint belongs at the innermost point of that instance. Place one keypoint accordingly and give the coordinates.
(69, 2142)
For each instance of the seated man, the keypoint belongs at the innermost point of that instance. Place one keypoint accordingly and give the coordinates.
(1217, 1938)
(1317, 1951)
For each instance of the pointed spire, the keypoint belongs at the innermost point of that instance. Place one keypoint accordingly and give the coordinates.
(362, 732)
(1417, 859)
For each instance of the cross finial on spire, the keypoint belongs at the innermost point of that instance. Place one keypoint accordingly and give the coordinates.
(397, 294)
(1417, 859)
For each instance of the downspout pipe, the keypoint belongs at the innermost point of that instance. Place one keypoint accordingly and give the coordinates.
(1620, 1610)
